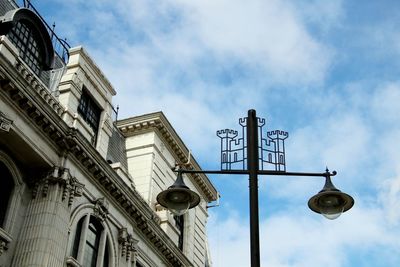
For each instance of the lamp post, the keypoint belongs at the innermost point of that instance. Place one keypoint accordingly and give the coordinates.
(252, 154)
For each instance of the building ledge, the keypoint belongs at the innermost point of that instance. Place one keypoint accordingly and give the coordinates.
(157, 121)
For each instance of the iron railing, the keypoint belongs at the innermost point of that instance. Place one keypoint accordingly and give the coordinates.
(60, 46)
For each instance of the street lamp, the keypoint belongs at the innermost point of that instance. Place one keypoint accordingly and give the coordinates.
(253, 154)
(330, 201)
(178, 198)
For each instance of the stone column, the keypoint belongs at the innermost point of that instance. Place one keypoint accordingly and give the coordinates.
(44, 234)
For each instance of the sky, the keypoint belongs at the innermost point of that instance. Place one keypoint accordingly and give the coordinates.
(327, 72)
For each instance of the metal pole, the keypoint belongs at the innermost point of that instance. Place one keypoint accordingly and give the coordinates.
(252, 166)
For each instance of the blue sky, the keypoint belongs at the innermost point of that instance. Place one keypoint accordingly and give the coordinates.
(328, 72)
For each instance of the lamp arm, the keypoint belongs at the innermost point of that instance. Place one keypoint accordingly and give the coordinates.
(262, 172)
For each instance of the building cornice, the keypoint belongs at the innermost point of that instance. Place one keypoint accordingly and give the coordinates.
(30, 97)
(81, 52)
(158, 122)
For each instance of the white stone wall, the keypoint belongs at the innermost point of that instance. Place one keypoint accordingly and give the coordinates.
(116, 220)
(149, 162)
(83, 72)
(140, 155)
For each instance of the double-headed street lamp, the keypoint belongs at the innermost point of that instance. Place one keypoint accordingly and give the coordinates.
(259, 154)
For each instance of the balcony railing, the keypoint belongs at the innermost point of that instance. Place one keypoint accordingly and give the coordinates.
(60, 46)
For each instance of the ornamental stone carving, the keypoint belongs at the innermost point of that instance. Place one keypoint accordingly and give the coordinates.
(5, 122)
(69, 185)
(100, 209)
(128, 245)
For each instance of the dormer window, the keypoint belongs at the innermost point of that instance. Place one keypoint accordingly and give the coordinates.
(89, 111)
(30, 36)
(24, 39)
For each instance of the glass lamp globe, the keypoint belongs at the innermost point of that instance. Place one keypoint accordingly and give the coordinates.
(331, 206)
(178, 198)
(330, 201)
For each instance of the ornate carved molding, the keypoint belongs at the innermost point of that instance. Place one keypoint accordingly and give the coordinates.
(71, 187)
(128, 245)
(5, 122)
(39, 87)
(101, 208)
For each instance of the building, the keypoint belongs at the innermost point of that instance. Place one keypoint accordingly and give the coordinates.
(77, 187)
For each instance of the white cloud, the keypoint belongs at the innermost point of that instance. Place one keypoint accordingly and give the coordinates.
(204, 63)
(390, 199)
(385, 104)
(325, 15)
(210, 53)
(263, 34)
(298, 240)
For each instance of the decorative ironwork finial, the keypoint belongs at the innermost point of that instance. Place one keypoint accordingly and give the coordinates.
(271, 148)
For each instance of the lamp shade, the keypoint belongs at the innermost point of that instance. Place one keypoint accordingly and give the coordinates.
(178, 198)
(330, 202)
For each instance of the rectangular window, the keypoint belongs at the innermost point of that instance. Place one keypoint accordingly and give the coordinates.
(89, 111)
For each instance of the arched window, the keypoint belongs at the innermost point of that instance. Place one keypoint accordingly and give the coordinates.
(24, 38)
(29, 34)
(90, 246)
(6, 188)
(281, 159)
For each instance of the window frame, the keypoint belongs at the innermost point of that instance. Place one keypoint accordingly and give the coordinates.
(77, 248)
(14, 201)
(90, 111)
(25, 38)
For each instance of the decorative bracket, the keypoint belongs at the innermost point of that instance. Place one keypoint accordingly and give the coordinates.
(101, 208)
(71, 187)
(128, 245)
(5, 122)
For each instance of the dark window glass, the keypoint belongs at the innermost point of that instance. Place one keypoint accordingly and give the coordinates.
(7, 186)
(179, 222)
(106, 262)
(23, 37)
(77, 238)
(91, 245)
(89, 111)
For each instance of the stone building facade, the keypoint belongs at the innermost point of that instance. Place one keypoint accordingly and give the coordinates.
(77, 187)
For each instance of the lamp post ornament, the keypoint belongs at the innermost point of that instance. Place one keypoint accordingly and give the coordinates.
(254, 154)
